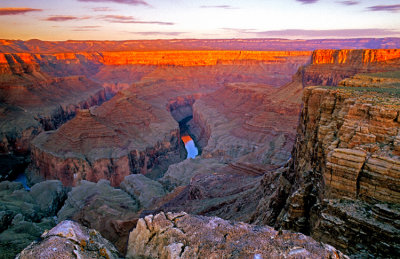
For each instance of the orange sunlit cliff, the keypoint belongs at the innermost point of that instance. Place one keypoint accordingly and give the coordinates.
(348, 56)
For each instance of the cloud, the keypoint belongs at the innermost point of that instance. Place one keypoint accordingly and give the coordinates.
(17, 10)
(131, 19)
(218, 6)
(340, 33)
(307, 1)
(237, 30)
(385, 8)
(87, 28)
(153, 33)
(129, 2)
(102, 9)
(63, 18)
(349, 2)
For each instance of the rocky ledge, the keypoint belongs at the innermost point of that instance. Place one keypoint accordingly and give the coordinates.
(181, 235)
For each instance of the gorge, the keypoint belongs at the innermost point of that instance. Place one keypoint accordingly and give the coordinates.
(286, 139)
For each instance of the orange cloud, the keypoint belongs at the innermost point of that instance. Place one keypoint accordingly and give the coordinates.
(130, 19)
(63, 18)
(387, 8)
(130, 2)
(17, 10)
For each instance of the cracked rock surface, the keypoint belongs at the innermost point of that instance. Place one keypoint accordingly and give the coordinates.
(70, 240)
(181, 235)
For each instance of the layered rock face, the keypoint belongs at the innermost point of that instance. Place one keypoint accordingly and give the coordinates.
(32, 101)
(342, 184)
(329, 67)
(71, 46)
(180, 235)
(68, 240)
(134, 132)
(123, 136)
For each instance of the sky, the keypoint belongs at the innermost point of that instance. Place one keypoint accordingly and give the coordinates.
(209, 19)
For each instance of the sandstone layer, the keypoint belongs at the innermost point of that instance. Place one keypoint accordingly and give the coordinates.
(180, 235)
(342, 183)
(329, 67)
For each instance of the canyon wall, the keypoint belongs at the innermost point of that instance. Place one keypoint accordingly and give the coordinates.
(342, 183)
(105, 151)
(73, 46)
(329, 67)
(26, 62)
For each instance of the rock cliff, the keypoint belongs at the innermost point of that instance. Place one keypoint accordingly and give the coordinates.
(329, 67)
(341, 186)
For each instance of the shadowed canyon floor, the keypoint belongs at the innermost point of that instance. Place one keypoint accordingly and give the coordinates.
(114, 136)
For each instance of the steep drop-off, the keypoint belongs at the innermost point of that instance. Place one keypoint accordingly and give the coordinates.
(342, 184)
(103, 151)
(32, 101)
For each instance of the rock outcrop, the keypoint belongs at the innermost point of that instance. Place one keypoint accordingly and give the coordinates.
(142, 189)
(180, 235)
(70, 240)
(110, 211)
(341, 186)
(125, 135)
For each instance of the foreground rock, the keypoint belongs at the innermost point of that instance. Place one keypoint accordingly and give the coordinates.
(70, 240)
(180, 235)
(98, 205)
(25, 215)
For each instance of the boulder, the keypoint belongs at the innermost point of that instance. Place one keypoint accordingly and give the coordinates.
(70, 240)
(181, 235)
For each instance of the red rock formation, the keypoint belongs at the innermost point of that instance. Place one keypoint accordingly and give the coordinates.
(329, 67)
(355, 57)
(163, 89)
(125, 135)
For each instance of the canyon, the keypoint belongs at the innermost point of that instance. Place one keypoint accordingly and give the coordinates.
(287, 138)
